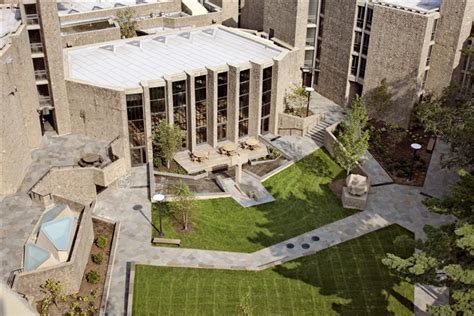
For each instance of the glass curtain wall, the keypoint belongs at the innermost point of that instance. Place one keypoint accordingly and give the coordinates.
(201, 109)
(180, 108)
(222, 80)
(266, 100)
(136, 129)
(244, 103)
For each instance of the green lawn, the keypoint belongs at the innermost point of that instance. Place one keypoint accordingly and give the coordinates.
(303, 202)
(348, 279)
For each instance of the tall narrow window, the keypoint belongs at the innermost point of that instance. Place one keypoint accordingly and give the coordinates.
(136, 129)
(360, 16)
(368, 22)
(428, 59)
(433, 31)
(354, 65)
(222, 106)
(201, 109)
(357, 41)
(323, 7)
(157, 106)
(244, 103)
(266, 100)
(363, 63)
(365, 45)
(180, 108)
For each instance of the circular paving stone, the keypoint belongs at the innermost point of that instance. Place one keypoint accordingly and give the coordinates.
(290, 246)
(315, 238)
(305, 246)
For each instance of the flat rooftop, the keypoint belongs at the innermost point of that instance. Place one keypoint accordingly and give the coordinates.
(420, 6)
(10, 19)
(125, 63)
(66, 7)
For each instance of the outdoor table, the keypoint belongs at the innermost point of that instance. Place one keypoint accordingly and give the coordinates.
(252, 142)
(200, 154)
(91, 159)
(230, 147)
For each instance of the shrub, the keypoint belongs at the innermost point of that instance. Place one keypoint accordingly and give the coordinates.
(93, 277)
(101, 241)
(98, 258)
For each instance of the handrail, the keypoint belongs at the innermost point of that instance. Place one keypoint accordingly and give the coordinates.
(291, 130)
(12, 276)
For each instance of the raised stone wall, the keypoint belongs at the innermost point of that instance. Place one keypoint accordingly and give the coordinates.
(140, 10)
(20, 129)
(69, 273)
(288, 121)
(397, 42)
(91, 37)
(252, 14)
(229, 11)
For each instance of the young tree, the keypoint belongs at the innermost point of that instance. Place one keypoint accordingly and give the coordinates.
(167, 140)
(447, 256)
(184, 205)
(353, 140)
(379, 100)
(127, 23)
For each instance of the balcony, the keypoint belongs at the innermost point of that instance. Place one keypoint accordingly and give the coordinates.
(32, 19)
(44, 100)
(36, 48)
(41, 75)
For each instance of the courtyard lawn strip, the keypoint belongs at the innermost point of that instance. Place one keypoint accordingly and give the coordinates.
(337, 280)
(303, 202)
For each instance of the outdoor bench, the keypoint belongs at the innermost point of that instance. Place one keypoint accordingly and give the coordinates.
(167, 241)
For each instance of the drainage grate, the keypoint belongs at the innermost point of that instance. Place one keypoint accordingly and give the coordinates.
(315, 238)
(305, 246)
(290, 246)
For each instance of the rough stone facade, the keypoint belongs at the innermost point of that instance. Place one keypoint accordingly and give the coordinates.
(398, 44)
(336, 48)
(229, 11)
(20, 129)
(252, 14)
(69, 273)
(49, 22)
(453, 30)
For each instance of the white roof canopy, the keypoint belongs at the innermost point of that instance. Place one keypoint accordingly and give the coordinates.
(126, 63)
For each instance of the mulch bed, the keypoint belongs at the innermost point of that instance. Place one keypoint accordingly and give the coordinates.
(390, 146)
(89, 294)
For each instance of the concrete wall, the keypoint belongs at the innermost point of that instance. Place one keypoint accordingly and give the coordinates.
(229, 11)
(173, 22)
(54, 62)
(20, 129)
(336, 48)
(92, 37)
(288, 19)
(69, 273)
(252, 14)
(454, 28)
(397, 43)
(140, 10)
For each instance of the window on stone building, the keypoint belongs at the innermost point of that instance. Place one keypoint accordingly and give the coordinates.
(266, 100)
(433, 31)
(222, 87)
(357, 41)
(365, 46)
(201, 109)
(157, 105)
(136, 129)
(180, 108)
(360, 16)
(368, 22)
(363, 63)
(354, 64)
(244, 103)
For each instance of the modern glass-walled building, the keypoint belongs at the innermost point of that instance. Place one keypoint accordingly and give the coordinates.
(216, 84)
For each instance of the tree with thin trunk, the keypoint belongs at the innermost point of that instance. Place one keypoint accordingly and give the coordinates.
(379, 100)
(353, 138)
(184, 204)
(167, 140)
(127, 23)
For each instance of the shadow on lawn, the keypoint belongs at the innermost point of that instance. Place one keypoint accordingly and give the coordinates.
(359, 279)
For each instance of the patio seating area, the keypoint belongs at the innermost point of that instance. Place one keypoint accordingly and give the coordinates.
(207, 158)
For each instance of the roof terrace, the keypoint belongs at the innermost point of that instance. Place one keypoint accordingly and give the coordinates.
(418, 6)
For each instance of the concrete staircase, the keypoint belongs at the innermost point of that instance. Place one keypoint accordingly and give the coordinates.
(316, 133)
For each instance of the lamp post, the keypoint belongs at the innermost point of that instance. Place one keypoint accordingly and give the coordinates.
(158, 198)
(308, 91)
(415, 147)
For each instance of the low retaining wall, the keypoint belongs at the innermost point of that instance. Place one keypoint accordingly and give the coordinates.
(69, 273)
(330, 139)
(181, 176)
(288, 122)
(91, 37)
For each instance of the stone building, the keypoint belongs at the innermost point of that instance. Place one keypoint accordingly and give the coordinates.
(350, 46)
(216, 83)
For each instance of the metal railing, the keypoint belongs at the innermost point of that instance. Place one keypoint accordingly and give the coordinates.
(41, 74)
(301, 132)
(32, 19)
(44, 100)
(36, 47)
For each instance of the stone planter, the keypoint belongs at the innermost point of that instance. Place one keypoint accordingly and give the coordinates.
(294, 125)
(330, 139)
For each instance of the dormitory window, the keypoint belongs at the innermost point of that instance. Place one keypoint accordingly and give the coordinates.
(222, 106)
(368, 22)
(321, 26)
(362, 68)
(323, 7)
(354, 65)
(157, 106)
(136, 129)
(357, 41)
(244, 103)
(425, 77)
(266, 99)
(360, 16)
(433, 32)
(428, 59)
(201, 109)
(365, 46)
(180, 108)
